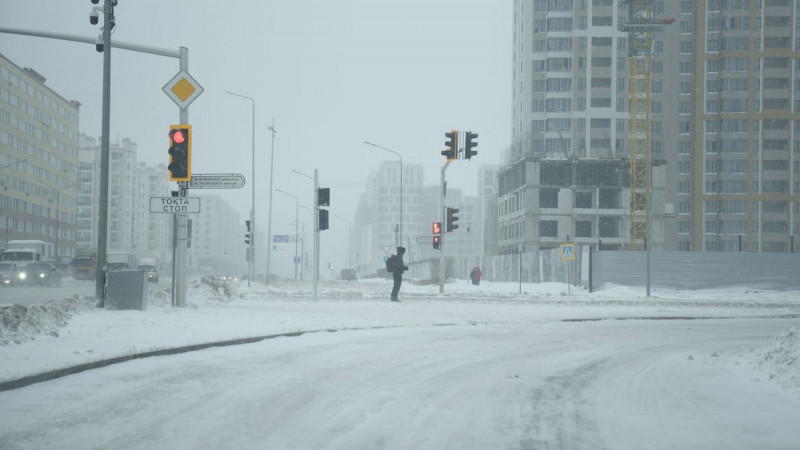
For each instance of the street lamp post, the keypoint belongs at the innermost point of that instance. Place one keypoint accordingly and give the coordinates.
(251, 262)
(401, 184)
(296, 225)
(269, 216)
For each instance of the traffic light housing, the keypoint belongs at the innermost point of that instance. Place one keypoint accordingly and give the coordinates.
(452, 219)
(437, 241)
(180, 153)
(323, 219)
(437, 227)
(452, 145)
(469, 144)
(247, 234)
(324, 197)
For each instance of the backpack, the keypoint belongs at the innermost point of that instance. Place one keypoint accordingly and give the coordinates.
(391, 263)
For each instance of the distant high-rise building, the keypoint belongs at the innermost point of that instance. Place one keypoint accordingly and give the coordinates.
(38, 161)
(738, 178)
(122, 196)
(152, 231)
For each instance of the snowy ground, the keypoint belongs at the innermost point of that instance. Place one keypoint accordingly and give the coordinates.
(554, 346)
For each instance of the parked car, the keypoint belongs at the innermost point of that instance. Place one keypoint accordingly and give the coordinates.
(8, 274)
(40, 274)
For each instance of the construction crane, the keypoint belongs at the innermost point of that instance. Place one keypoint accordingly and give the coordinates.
(640, 27)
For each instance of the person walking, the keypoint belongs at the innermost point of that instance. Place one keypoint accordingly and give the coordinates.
(475, 276)
(396, 266)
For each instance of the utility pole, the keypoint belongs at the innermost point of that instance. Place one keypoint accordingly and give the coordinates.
(442, 219)
(102, 223)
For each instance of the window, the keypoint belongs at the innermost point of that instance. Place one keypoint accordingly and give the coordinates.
(583, 200)
(548, 228)
(609, 199)
(583, 228)
(598, 61)
(548, 198)
(602, 41)
(608, 227)
(602, 21)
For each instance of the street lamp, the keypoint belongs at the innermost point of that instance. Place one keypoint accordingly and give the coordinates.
(269, 216)
(401, 184)
(251, 263)
(296, 224)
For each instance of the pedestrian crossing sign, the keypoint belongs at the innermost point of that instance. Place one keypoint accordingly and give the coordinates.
(567, 252)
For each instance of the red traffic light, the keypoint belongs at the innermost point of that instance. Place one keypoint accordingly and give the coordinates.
(177, 136)
(437, 227)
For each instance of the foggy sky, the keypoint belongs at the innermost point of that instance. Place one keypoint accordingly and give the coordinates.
(332, 74)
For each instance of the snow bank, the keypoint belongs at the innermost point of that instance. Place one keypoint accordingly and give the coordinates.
(23, 323)
(780, 358)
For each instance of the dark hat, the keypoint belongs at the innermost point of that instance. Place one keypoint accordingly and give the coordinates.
(401, 250)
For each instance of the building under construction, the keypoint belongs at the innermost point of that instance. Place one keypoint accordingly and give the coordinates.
(593, 142)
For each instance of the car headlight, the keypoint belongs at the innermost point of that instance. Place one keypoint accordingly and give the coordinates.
(22, 275)
(41, 275)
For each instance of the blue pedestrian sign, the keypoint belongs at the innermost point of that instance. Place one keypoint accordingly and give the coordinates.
(297, 260)
(567, 252)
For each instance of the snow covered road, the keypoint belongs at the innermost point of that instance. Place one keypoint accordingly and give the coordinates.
(621, 384)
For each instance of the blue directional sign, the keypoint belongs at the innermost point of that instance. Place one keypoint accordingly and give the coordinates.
(280, 238)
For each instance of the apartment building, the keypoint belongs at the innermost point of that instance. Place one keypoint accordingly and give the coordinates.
(739, 183)
(38, 160)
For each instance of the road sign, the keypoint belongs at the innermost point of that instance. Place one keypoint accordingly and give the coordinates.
(297, 260)
(567, 252)
(182, 89)
(280, 238)
(424, 239)
(216, 181)
(175, 205)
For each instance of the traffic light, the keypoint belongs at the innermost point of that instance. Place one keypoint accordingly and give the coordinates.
(247, 234)
(180, 153)
(323, 219)
(437, 232)
(452, 219)
(452, 145)
(274, 248)
(324, 197)
(470, 144)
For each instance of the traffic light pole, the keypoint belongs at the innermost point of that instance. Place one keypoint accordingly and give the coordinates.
(442, 219)
(316, 232)
(183, 188)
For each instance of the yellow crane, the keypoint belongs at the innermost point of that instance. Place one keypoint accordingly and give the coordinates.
(641, 25)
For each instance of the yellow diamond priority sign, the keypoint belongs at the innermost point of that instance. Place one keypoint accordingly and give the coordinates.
(183, 89)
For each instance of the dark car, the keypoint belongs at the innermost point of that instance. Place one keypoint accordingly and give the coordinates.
(41, 274)
(8, 274)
